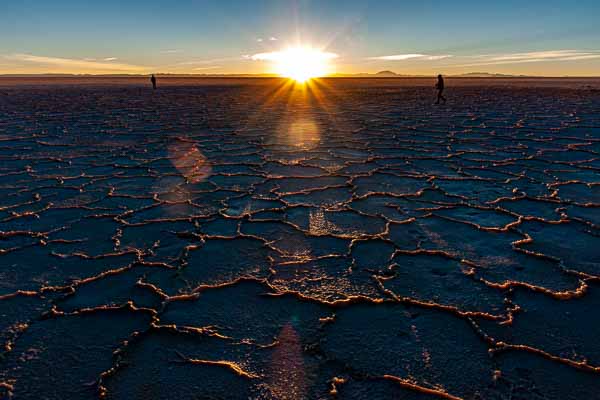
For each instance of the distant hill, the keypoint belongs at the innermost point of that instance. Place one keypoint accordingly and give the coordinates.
(380, 74)
(487, 75)
(386, 73)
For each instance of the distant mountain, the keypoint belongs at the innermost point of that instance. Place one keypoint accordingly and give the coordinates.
(380, 74)
(487, 75)
(386, 73)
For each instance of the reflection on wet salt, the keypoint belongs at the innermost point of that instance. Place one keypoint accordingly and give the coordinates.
(189, 161)
(288, 376)
(304, 133)
(301, 133)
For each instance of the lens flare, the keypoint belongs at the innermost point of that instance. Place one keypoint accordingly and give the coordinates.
(189, 161)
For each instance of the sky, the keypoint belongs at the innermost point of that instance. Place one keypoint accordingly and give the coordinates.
(534, 37)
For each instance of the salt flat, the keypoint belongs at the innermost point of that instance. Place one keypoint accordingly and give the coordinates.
(252, 238)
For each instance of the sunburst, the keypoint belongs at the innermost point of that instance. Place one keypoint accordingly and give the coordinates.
(300, 63)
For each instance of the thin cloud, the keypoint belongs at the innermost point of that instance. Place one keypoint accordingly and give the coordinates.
(533, 57)
(581, 57)
(271, 39)
(441, 57)
(205, 62)
(171, 51)
(397, 57)
(205, 68)
(75, 64)
(538, 55)
(110, 59)
(404, 57)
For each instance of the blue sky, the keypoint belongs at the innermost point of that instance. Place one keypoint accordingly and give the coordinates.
(537, 37)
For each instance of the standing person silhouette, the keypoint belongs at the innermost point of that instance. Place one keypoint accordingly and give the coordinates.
(440, 90)
(153, 80)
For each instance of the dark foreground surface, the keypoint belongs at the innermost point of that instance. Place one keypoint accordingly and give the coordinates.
(252, 240)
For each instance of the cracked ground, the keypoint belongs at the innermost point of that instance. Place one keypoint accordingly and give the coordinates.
(256, 239)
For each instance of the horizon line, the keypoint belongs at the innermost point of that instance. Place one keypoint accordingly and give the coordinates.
(376, 75)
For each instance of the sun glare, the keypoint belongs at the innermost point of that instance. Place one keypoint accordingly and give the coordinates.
(302, 63)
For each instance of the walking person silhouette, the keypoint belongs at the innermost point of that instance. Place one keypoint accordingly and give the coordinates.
(153, 80)
(440, 90)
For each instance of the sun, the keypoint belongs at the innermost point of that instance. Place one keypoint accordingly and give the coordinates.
(302, 63)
